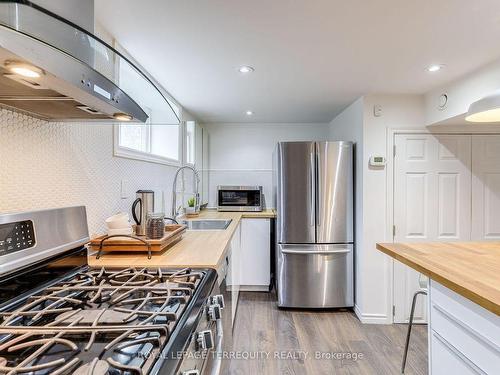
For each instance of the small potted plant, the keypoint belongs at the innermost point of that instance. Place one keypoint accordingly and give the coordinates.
(191, 209)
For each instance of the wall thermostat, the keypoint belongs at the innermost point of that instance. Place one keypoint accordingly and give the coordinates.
(377, 161)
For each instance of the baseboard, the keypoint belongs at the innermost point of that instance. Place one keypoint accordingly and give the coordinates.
(254, 288)
(250, 288)
(371, 318)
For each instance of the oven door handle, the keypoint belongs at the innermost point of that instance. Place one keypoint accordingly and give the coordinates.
(217, 363)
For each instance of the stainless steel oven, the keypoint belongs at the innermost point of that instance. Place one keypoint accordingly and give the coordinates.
(239, 198)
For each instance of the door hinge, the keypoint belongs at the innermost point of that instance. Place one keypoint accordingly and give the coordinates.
(393, 310)
(393, 231)
(394, 150)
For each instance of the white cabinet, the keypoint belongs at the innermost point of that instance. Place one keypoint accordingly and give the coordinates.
(464, 337)
(249, 259)
(255, 270)
(448, 360)
(233, 275)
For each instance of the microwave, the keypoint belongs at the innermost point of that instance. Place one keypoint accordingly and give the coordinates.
(239, 198)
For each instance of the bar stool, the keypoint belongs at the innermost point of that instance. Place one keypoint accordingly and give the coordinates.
(423, 282)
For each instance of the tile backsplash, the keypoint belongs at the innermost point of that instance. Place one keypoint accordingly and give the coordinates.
(47, 164)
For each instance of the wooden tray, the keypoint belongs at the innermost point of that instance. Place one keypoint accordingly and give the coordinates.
(120, 242)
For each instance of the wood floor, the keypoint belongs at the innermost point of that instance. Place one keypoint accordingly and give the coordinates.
(263, 328)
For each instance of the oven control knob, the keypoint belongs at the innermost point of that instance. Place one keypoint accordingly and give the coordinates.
(217, 300)
(214, 312)
(191, 372)
(204, 340)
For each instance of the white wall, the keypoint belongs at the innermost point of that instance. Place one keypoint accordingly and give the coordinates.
(45, 165)
(398, 112)
(348, 126)
(374, 269)
(241, 154)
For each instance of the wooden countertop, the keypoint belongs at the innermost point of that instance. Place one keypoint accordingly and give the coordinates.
(204, 249)
(471, 269)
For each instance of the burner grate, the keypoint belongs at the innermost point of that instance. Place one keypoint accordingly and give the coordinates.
(100, 321)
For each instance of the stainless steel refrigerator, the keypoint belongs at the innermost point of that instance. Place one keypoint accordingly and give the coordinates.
(314, 188)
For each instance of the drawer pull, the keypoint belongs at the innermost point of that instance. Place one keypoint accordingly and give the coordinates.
(465, 326)
(458, 354)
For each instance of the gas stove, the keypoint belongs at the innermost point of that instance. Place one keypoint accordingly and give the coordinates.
(60, 316)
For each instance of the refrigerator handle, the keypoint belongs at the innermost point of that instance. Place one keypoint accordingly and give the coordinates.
(318, 192)
(307, 252)
(312, 178)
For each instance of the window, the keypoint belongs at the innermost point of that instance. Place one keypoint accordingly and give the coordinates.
(160, 138)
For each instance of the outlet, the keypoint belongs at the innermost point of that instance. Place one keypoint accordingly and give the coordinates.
(125, 189)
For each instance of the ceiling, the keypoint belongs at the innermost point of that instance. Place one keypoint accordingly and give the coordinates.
(311, 58)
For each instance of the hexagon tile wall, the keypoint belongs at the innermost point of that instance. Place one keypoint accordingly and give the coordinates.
(46, 165)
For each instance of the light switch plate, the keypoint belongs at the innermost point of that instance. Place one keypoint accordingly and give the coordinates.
(377, 110)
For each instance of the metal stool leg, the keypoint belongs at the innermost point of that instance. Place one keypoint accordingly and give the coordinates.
(410, 324)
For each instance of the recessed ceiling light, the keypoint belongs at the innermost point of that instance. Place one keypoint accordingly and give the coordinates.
(23, 69)
(249, 113)
(122, 116)
(434, 68)
(245, 69)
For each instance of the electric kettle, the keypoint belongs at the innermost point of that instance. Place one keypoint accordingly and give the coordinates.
(146, 202)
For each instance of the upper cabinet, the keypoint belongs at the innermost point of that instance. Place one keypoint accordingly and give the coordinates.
(56, 70)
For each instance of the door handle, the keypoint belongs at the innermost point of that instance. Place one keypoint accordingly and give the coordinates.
(313, 192)
(340, 251)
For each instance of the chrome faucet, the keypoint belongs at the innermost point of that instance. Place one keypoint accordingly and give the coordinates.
(175, 210)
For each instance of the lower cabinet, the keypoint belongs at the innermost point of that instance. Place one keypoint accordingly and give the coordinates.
(255, 270)
(464, 337)
(233, 275)
(448, 360)
(248, 260)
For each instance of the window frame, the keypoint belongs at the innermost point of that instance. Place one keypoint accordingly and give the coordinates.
(185, 144)
(129, 153)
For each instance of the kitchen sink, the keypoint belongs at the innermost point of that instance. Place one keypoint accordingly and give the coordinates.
(207, 224)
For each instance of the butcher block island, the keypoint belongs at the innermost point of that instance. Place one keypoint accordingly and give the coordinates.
(463, 302)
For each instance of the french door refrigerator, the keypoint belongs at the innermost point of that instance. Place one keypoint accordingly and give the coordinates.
(314, 187)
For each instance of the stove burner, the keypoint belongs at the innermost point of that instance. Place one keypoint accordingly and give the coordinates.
(102, 321)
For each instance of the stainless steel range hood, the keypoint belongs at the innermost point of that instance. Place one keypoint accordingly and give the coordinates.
(53, 69)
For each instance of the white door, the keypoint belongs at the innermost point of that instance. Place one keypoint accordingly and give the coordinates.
(432, 202)
(485, 187)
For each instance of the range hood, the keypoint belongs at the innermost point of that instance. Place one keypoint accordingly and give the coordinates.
(55, 70)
